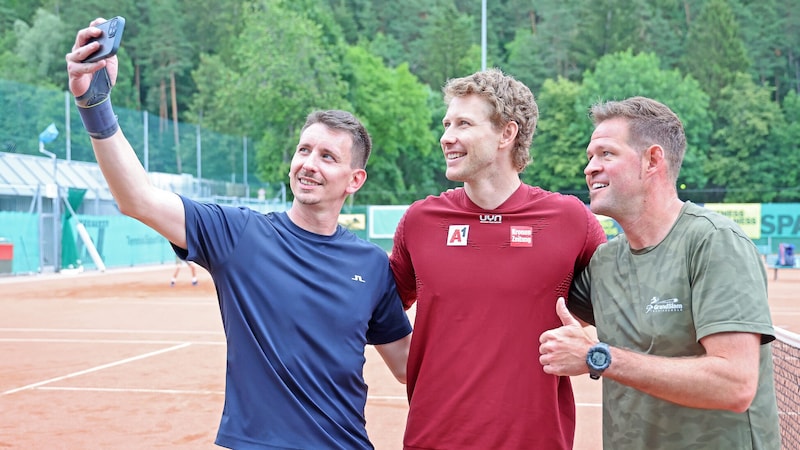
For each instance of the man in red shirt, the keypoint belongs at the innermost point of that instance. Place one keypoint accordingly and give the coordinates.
(485, 265)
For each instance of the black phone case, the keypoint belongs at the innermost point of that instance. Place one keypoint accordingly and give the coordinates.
(109, 40)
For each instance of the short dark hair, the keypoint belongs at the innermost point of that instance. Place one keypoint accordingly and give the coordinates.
(649, 122)
(339, 120)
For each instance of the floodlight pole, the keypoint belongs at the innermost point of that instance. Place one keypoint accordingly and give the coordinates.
(199, 150)
(483, 34)
(244, 168)
(55, 161)
(67, 105)
(145, 137)
(56, 209)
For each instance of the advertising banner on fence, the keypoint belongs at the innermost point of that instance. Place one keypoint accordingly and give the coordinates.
(747, 215)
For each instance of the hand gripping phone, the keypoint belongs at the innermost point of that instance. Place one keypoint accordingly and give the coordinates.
(109, 40)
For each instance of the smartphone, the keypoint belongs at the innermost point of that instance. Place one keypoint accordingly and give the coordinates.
(109, 40)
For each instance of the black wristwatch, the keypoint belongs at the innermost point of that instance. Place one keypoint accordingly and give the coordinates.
(598, 359)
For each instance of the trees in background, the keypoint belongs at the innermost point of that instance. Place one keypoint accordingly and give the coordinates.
(729, 68)
(565, 128)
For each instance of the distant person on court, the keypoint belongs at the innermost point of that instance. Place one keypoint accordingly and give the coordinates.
(300, 296)
(484, 265)
(179, 263)
(679, 301)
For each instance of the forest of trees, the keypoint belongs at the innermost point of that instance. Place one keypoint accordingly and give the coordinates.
(729, 68)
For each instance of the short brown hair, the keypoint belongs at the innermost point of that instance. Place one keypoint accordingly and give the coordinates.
(649, 122)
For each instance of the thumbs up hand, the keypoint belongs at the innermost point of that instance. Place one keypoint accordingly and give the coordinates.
(567, 319)
(563, 350)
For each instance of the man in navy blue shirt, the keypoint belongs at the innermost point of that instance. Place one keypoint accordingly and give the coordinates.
(300, 296)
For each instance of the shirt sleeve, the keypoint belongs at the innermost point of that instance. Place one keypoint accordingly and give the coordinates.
(729, 286)
(389, 321)
(579, 302)
(212, 232)
(402, 267)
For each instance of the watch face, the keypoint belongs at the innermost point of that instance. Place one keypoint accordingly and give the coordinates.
(599, 358)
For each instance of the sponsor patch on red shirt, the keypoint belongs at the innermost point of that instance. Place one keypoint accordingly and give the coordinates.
(457, 235)
(521, 236)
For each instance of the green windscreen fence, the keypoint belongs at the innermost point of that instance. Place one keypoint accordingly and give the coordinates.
(122, 241)
(19, 237)
(381, 223)
(119, 240)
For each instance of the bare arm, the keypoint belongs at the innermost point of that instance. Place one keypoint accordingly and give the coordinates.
(129, 184)
(395, 355)
(135, 195)
(725, 378)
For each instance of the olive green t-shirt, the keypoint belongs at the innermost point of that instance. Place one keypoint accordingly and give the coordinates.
(705, 277)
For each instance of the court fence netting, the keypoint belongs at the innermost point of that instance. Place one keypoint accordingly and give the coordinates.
(786, 358)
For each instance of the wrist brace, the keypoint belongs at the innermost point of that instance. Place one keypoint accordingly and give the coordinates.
(95, 107)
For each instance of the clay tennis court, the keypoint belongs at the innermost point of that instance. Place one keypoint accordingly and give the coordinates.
(121, 360)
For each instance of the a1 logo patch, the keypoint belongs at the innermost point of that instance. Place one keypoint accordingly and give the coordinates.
(457, 235)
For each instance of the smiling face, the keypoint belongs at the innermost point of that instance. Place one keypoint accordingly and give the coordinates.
(321, 171)
(615, 170)
(469, 141)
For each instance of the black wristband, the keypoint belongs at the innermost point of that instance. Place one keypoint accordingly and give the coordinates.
(99, 120)
(95, 107)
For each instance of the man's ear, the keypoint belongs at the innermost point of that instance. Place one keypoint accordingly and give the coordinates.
(357, 179)
(655, 156)
(510, 131)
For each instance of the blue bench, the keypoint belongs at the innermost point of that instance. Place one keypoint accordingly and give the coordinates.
(772, 264)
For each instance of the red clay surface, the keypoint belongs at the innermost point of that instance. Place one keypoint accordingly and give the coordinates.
(121, 360)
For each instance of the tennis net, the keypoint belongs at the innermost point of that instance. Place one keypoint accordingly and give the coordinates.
(786, 358)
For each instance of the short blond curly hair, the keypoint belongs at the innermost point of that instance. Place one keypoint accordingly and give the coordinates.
(509, 99)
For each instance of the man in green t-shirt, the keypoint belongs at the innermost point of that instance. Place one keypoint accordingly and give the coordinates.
(679, 301)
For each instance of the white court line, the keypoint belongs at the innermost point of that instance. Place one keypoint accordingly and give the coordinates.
(108, 341)
(42, 277)
(95, 369)
(151, 301)
(145, 391)
(388, 397)
(393, 398)
(100, 330)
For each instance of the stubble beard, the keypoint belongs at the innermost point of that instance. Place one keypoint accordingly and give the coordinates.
(307, 199)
